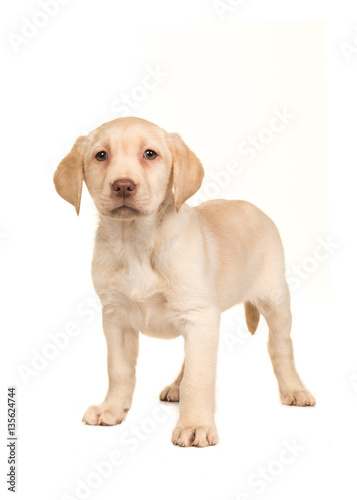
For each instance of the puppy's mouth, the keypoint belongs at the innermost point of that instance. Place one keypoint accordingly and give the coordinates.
(124, 212)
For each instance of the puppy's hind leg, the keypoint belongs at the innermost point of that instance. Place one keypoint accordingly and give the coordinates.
(278, 316)
(172, 392)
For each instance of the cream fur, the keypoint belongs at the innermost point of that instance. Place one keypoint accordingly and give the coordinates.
(165, 269)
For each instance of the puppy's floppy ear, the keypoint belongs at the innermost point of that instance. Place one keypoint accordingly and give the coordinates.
(187, 169)
(68, 177)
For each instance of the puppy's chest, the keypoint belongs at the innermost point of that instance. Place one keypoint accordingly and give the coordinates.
(131, 279)
(137, 292)
(136, 280)
(138, 289)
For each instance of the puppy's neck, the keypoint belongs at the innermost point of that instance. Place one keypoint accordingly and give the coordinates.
(147, 231)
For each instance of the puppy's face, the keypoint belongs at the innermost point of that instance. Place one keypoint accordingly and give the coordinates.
(130, 166)
(127, 168)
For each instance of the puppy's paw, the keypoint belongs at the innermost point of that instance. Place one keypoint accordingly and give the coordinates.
(170, 393)
(195, 435)
(299, 397)
(104, 414)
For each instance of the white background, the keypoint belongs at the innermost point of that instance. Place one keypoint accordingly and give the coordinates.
(224, 78)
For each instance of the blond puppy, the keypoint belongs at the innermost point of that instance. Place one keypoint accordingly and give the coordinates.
(165, 269)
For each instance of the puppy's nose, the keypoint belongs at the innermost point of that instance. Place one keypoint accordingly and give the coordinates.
(123, 187)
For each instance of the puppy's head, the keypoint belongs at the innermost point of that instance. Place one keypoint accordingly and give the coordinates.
(130, 167)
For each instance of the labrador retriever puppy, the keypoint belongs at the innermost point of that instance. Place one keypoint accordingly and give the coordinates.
(166, 269)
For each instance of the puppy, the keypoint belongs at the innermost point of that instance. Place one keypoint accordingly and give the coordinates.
(165, 269)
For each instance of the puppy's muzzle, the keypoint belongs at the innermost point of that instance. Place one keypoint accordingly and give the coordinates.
(123, 188)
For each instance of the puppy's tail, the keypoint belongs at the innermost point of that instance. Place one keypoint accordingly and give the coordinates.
(251, 316)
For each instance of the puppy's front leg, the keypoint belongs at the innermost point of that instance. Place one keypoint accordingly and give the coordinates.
(196, 425)
(122, 353)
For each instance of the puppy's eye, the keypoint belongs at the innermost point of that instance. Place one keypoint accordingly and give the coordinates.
(101, 156)
(150, 154)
